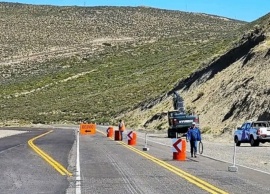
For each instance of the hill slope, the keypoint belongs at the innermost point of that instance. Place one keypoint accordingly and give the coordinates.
(233, 88)
(96, 63)
(29, 29)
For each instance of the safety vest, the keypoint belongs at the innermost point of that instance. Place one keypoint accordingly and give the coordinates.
(122, 126)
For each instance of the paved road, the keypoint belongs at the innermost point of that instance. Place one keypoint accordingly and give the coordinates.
(24, 171)
(111, 167)
(216, 172)
(108, 166)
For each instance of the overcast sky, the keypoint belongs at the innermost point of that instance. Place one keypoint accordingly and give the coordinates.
(245, 10)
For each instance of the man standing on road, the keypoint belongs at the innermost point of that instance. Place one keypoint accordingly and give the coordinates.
(193, 135)
(121, 127)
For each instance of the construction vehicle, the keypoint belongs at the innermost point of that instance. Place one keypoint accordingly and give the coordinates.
(180, 121)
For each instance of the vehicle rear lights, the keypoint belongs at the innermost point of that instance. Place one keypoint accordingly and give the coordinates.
(174, 121)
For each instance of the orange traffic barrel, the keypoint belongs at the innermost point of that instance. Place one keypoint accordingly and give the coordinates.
(117, 135)
(181, 154)
(110, 132)
(133, 139)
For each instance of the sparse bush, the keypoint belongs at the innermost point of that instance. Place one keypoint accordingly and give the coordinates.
(111, 80)
(199, 95)
(206, 130)
(190, 109)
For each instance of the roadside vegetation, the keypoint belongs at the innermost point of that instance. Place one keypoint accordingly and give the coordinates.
(105, 81)
(98, 89)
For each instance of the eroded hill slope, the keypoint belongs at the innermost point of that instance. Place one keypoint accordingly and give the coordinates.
(233, 88)
(67, 64)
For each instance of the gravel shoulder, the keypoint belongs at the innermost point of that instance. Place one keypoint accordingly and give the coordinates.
(6, 133)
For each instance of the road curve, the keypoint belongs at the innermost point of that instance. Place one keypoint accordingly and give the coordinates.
(24, 171)
(108, 166)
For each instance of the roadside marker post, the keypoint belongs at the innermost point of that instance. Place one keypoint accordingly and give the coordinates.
(145, 148)
(233, 168)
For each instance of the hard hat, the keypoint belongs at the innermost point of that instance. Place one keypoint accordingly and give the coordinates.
(193, 123)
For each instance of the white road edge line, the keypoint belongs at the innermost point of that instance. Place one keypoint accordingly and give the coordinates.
(211, 157)
(78, 168)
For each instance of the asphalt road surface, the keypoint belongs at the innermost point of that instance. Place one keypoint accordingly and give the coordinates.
(23, 171)
(108, 166)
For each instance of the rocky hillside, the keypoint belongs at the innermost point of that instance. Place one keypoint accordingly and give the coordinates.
(26, 30)
(67, 64)
(233, 88)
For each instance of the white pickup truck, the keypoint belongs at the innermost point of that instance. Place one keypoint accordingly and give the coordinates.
(255, 132)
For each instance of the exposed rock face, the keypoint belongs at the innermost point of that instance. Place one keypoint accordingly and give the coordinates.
(240, 51)
(232, 89)
(158, 116)
(235, 87)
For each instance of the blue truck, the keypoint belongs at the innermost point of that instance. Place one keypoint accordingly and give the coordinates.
(253, 132)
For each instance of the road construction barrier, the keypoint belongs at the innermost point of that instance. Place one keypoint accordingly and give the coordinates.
(117, 135)
(86, 129)
(233, 168)
(179, 149)
(145, 148)
(110, 132)
(132, 138)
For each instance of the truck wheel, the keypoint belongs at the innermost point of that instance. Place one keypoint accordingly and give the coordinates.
(253, 142)
(171, 133)
(236, 141)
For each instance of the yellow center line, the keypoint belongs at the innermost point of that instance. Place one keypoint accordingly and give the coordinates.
(56, 165)
(192, 179)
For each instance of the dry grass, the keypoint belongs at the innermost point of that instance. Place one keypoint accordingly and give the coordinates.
(29, 29)
(143, 52)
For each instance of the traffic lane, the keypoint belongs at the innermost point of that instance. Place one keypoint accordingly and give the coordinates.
(257, 178)
(259, 159)
(19, 139)
(58, 145)
(23, 171)
(213, 171)
(109, 167)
